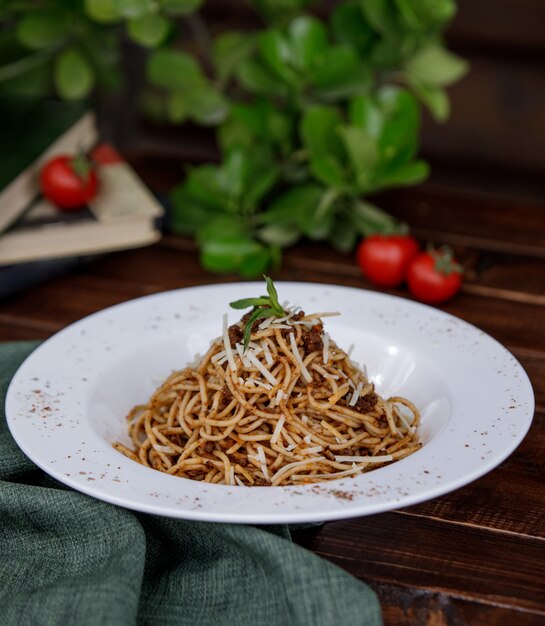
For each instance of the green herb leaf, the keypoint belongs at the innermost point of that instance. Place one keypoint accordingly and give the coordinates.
(273, 295)
(268, 306)
(244, 303)
(258, 314)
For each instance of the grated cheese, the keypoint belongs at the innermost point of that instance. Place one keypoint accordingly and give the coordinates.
(279, 396)
(265, 324)
(307, 439)
(227, 345)
(326, 348)
(267, 353)
(243, 357)
(239, 482)
(218, 356)
(231, 475)
(260, 383)
(164, 449)
(314, 450)
(325, 314)
(263, 462)
(299, 360)
(262, 369)
(277, 429)
(356, 395)
(350, 348)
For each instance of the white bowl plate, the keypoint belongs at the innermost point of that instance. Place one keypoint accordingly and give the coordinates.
(67, 403)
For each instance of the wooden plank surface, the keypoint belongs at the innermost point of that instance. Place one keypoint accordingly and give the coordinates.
(474, 556)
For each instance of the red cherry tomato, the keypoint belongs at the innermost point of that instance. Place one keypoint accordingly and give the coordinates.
(434, 276)
(384, 259)
(69, 182)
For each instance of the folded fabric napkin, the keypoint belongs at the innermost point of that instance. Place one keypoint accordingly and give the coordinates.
(67, 558)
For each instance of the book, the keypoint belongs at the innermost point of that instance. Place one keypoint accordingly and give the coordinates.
(33, 134)
(122, 215)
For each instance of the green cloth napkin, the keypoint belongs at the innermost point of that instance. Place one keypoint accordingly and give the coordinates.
(67, 558)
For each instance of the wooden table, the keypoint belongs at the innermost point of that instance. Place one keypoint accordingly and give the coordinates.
(476, 556)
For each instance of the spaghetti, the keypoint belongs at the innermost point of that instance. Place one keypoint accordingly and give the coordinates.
(290, 408)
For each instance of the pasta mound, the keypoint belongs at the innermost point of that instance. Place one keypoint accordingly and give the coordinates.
(292, 408)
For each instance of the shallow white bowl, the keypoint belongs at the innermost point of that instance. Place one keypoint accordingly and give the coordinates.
(67, 402)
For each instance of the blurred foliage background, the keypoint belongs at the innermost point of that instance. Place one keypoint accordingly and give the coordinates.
(313, 112)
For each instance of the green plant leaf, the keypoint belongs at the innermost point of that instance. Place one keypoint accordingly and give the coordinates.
(307, 41)
(286, 208)
(219, 227)
(275, 53)
(258, 186)
(435, 98)
(425, 15)
(343, 235)
(189, 214)
(278, 235)
(208, 106)
(148, 30)
(257, 78)
(103, 11)
(319, 132)
(340, 74)
(280, 11)
(242, 254)
(364, 112)
(368, 219)
(255, 124)
(180, 7)
(229, 50)
(399, 138)
(362, 152)
(73, 75)
(406, 174)
(134, 8)
(435, 65)
(39, 29)
(206, 185)
(174, 70)
(328, 170)
(319, 218)
(350, 27)
(381, 15)
(177, 107)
